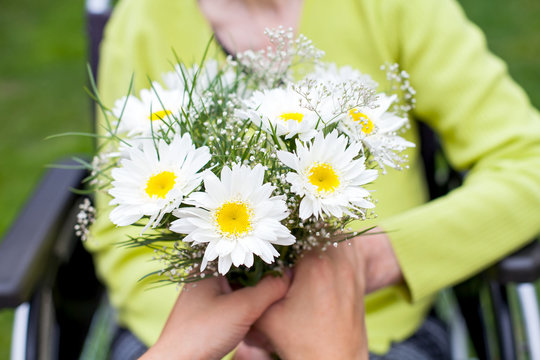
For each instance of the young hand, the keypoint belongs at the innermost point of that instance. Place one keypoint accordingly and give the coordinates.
(209, 320)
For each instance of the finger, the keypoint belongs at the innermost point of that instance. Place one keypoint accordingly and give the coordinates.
(344, 257)
(305, 266)
(255, 338)
(193, 296)
(203, 289)
(247, 352)
(254, 300)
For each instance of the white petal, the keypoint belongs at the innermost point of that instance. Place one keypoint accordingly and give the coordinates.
(248, 260)
(238, 256)
(288, 159)
(224, 264)
(122, 216)
(210, 253)
(182, 226)
(306, 208)
(224, 247)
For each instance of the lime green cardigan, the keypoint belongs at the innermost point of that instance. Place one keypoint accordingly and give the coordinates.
(485, 121)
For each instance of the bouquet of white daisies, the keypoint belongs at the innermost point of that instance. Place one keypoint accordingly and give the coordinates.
(238, 168)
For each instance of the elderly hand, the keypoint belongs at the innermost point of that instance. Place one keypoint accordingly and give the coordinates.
(322, 315)
(382, 268)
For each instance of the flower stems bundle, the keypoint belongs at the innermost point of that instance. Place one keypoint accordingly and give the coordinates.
(239, 168)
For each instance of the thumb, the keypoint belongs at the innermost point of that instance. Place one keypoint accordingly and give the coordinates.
(256, 299)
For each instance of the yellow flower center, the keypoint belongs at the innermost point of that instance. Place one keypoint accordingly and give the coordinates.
(363, 119)
(160, 184)
(160, 115)
(323, 177)
(292, 116)
(234, 218)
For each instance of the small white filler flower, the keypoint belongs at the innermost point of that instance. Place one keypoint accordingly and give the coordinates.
(237, 216)
(153, 182)
(377, 128)
(328, 178)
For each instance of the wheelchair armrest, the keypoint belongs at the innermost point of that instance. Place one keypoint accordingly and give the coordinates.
(29, 243)
(523, 266)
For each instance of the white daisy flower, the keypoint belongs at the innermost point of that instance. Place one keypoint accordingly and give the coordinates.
(153, 183)
(236, 216)
(327, 177)
(176, 79)
(153, 109)
(280, 110)
(330, 73)
(377, 128)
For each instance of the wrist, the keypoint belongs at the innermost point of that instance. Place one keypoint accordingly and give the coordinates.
(382, 267)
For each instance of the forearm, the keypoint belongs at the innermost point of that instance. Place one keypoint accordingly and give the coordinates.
(486, 126)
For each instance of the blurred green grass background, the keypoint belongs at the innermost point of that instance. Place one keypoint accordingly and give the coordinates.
(43, 72)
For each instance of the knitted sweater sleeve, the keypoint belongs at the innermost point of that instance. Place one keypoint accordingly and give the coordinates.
(488, 128)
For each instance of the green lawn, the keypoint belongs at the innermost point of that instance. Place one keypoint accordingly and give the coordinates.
(512, 29)
(42, 74)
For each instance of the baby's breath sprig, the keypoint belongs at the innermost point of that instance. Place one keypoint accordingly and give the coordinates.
(400, 85)
(270, 67)
(85, 218)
